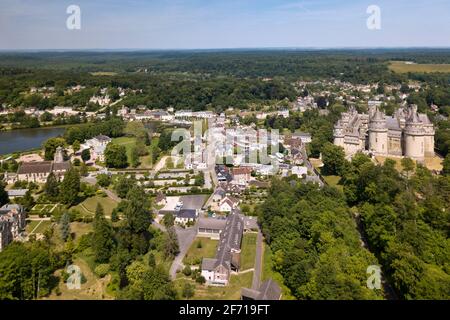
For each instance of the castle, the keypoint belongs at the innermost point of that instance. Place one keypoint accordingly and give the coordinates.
(407, 133)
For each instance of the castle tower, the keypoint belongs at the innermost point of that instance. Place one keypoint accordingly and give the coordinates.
(338, 134)
(59, 157)
(378, 133)
(414, 136)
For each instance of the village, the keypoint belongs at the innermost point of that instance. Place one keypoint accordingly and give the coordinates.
(212, 188)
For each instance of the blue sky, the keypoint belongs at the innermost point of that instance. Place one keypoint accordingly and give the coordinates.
(187, 24)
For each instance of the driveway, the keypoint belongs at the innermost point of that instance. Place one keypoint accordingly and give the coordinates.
(185, 239)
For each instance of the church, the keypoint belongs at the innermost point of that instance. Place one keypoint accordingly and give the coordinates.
(39, 171)
(407, 133)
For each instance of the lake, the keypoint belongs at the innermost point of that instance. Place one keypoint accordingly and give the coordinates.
(26, 139)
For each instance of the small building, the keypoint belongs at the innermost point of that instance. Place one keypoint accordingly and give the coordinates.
(241, 175)
(185, 216)
(269, 290)
(97, 146)
(228, 204)
(219, 194)
(299, 171)
(16, 193)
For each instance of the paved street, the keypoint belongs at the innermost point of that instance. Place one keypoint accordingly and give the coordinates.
(185, 239)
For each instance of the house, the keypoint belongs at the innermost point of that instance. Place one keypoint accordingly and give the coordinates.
(97, 145)
(269, 290)
(12, 222)
(219, 194)
(39, 171)
(228, 203)
(241, 175)
(304, 137)
(299, 171)
(185, 216)
(217, 271)
(16, 193)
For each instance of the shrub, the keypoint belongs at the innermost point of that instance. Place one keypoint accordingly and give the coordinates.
(200, 279)
(187, 271)
(102, 270)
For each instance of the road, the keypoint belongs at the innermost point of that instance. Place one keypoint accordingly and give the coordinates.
(256, 283)
(185, 239)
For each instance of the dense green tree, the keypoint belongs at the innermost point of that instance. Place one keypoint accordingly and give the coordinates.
(50, 147)
(86, 155)
(103, 180)
(27, 270)
(116, 156)
(76, 146)
(333, 158)
(64, 226)
(51, 186)
(102, 238)
(446, 165)
(70, 187)
(137, 212)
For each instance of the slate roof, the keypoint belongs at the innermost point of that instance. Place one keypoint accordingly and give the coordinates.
(35, 167)
(212, 223)
(187, 213)
(269, 290)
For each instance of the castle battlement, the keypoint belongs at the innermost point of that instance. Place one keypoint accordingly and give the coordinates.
(406, 133)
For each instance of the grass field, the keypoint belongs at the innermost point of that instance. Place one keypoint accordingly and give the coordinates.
(248, 251)
(402, 67)
(37, 226)
(89, 205)
(195, 255)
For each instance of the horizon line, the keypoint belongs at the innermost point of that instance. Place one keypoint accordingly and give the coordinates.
(227, 48)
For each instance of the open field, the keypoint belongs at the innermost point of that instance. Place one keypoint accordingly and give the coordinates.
(195, 254)
(89, 205)
(402, 67)
(248, 252)
(434, 163)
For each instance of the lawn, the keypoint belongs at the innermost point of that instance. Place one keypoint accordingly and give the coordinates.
(230, 292)
(402, 67)
(333, 181)
(37, 226)
(268, 272)
(208, 250)
(128, 143)
(248, 252)
(31, 225)
(89, 205)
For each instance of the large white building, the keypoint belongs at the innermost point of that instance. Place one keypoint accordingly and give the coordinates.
(406, 133)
